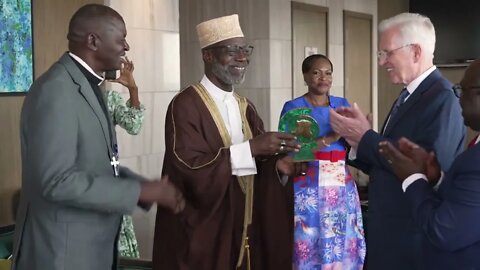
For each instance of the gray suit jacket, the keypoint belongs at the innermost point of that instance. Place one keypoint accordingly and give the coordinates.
(71, 204)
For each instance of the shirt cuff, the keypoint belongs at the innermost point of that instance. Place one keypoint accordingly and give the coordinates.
(352, 154)
(283, 180)
(241, 159)
(412, 178)
(439, 181)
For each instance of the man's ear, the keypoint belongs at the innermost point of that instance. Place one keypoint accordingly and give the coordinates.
(208, 56)
(417, 50)
(92, 41)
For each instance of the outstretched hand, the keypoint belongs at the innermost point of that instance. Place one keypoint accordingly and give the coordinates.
(170, 196)
(164, 193)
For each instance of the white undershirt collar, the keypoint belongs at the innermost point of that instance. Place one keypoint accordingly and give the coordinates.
(87, 67)
(413, 85)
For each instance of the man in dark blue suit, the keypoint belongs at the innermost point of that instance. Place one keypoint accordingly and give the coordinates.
(427, 112)
(450, 216)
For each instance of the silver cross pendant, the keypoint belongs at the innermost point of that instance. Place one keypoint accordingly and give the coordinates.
(115, 165)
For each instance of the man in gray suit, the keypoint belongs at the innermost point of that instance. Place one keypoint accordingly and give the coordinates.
(73, 191)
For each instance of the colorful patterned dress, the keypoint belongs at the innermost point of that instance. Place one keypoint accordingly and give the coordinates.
(328, 232)
(130, 119)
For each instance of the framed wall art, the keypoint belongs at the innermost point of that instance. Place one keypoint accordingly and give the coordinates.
(16, 46)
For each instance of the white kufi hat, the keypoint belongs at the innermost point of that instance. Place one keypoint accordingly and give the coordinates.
(218, 29)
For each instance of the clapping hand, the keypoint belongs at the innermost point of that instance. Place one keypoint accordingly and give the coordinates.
(170, 196)
(410, 158)
(164, 193)
(350, 123)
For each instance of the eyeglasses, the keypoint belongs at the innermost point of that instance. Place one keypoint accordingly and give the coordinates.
(235, 50)
(459, 90)
(384, 54)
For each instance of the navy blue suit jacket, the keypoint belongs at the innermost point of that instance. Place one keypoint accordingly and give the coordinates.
(430, 117)
(450, 218)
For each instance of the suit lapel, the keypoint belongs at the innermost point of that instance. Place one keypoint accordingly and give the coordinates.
(412, 100)
(87, 92)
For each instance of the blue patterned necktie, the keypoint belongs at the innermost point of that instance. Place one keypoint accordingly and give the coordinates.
(400, 100)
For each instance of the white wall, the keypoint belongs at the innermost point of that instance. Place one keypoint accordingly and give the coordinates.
(153, 35)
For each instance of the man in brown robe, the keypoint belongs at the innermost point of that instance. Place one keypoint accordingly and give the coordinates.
(238, 214)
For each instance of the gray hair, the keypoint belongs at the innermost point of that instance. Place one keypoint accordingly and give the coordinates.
(414, 29)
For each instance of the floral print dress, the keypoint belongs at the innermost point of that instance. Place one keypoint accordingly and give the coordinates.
(130, 119)
(328, 230)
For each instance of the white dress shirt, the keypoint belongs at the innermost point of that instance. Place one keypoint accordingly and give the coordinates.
(241, 158)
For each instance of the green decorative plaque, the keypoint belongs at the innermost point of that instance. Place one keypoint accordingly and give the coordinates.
(299, 123)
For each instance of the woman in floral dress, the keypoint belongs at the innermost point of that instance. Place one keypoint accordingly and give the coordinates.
(328, 230)
(129, 116)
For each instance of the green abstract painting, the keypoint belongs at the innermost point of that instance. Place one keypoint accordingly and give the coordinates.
(16, 64)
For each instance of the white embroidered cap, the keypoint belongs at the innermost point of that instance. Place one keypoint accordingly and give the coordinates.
(218, 29)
